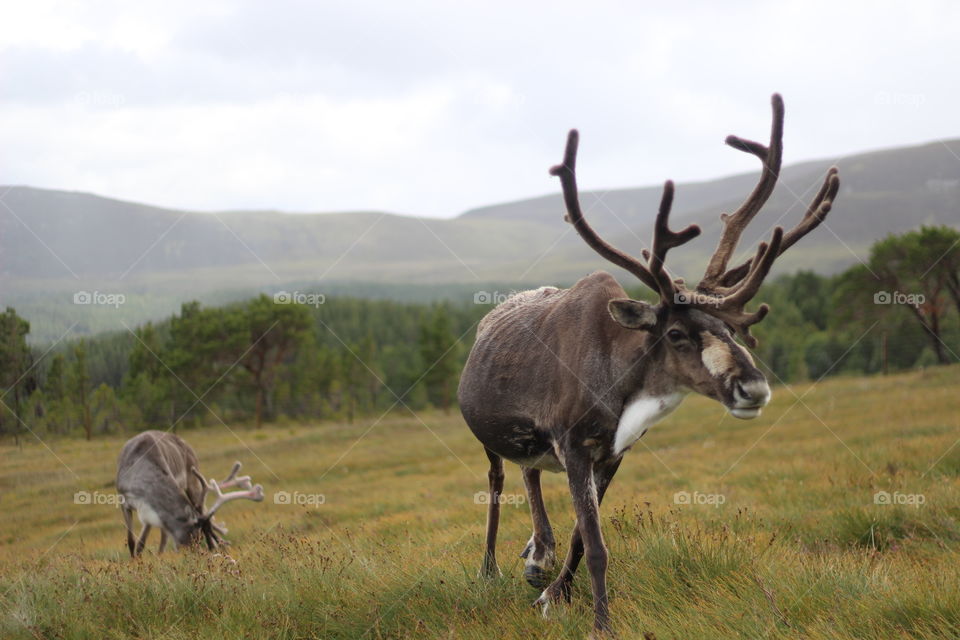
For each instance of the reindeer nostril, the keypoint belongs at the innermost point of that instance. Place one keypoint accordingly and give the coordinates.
(752, 393)
(741, 391)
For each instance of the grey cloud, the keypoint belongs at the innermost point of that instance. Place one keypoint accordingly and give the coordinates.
(653, 90)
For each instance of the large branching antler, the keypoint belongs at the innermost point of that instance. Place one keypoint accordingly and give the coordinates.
(212, 531)
(255, 494)
(233, 481)
(663, 240)
(721, 292)
(567, 172)
(815, 214)
(734, 223)
(652, 274)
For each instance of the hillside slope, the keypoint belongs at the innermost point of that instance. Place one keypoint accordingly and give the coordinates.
(53, 234)
(54, 243)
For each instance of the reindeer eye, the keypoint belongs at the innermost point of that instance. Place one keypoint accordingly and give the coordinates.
(675, 335)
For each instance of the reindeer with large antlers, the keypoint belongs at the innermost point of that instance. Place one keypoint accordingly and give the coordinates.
(569, 379)
(159, 477)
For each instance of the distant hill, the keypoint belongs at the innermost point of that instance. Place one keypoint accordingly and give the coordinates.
(882, 192)
(55, 242)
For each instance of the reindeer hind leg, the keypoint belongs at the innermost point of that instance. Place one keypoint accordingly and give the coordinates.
(141, 543)
(128, 521)
(489, 568)
(540, 552)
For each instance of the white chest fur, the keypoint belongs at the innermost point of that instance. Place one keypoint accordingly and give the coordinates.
(146, 513)
(641, 413)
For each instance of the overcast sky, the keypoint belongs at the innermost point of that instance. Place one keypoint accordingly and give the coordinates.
(433, 108)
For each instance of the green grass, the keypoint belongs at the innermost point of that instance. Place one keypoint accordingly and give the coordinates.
(798, 549)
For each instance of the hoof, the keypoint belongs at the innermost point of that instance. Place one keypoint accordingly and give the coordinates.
(543, 602)
(546, 602)
(558, 593)
(536, 576)
(489, 571)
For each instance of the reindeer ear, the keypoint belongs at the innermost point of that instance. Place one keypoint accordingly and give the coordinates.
(633, 314)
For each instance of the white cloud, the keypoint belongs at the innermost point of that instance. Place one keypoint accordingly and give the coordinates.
(438, 107)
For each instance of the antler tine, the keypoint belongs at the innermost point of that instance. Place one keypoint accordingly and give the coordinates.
(736, 222)
(819, 207)
(762, 262)
(729, 307)
(203, 485)
(680, 282)
(233, 481)
(233, 472)
(817, 211)
(665, 239)
(212, 539)
(568, 180)
(243, 482)
(742, 321)
(255, 494)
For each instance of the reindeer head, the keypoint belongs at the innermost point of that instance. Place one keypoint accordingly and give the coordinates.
(202, 525)
(691, 332)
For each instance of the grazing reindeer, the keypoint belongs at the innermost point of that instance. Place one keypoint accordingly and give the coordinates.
(569, 379)
(159, 478)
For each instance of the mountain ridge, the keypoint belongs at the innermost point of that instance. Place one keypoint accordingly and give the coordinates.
(54, 242)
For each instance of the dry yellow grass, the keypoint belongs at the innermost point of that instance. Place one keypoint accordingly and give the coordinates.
(799, 548)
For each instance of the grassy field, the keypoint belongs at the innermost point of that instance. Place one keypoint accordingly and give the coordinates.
(382, 537)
